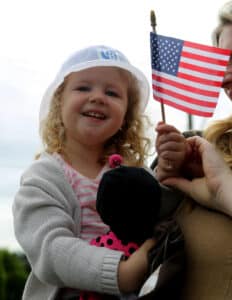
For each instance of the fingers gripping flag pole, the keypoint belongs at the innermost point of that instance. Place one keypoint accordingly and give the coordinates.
(153, 25)
(187, 76)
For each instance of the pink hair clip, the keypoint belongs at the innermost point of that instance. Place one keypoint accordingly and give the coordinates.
(115, 160)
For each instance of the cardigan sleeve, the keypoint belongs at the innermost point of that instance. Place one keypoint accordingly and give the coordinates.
(46, 224)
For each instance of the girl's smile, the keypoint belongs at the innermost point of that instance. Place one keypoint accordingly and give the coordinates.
(94, 114)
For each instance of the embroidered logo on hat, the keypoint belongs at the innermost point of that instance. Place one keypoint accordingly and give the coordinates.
(110, 54)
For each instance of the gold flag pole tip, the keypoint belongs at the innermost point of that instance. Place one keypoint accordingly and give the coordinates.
(153, 20)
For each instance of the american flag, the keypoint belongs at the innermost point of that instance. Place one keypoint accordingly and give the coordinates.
(187, 75)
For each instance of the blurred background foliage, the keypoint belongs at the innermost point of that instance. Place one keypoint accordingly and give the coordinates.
(14, 270)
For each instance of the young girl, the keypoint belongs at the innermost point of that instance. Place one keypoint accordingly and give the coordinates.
(92, 109)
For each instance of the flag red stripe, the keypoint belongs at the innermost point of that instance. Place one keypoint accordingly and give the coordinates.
(201, 69)
(185, 87)
(183, 97)
(184, 108)
(208, 48)
(206, 59)
(199, 79)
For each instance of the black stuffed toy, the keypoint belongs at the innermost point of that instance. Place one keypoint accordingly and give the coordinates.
(129, 201)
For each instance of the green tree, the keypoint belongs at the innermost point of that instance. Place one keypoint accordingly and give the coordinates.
(14, 270)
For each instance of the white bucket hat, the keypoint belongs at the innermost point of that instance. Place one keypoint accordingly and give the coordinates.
(94, 56)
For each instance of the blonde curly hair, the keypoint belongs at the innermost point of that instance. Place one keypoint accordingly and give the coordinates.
(130, 141)
(220, 134)
(224, 18)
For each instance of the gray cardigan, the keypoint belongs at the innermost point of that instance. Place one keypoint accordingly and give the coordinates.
(47, 226)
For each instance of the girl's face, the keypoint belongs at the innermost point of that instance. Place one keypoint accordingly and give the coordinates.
(225, 41)
(94, 104)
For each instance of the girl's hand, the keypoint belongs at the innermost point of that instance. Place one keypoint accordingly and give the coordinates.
(132, 272)
(172, 150)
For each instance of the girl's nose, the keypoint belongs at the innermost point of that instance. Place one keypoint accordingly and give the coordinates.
(98, 96)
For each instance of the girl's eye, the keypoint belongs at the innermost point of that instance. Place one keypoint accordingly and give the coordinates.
(83, 88)
(112, 93)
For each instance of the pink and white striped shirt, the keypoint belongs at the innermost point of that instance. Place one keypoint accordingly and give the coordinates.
(85, 190)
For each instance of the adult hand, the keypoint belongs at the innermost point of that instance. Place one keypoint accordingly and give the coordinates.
(214, 189)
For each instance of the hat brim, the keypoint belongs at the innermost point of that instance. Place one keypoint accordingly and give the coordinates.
(142, 82)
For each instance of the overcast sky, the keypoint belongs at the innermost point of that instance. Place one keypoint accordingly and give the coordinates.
(36, 36)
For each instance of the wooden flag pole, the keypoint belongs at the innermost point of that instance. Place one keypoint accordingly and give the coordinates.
(153, 25)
